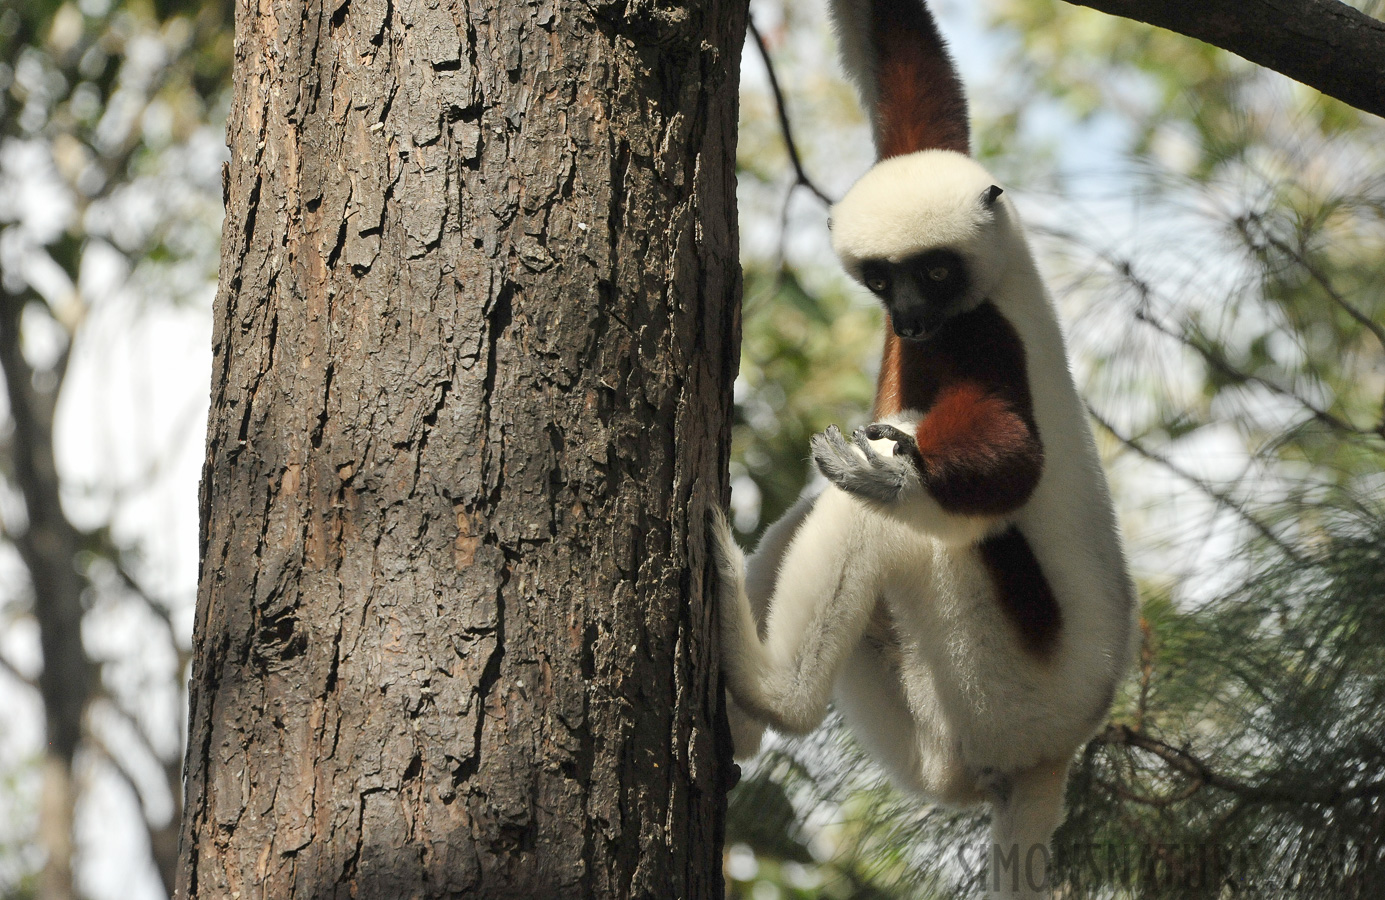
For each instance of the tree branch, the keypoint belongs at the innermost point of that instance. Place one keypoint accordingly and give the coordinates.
(1324, 44)
(1324, 281)
(1183, 761)
(49, 543)
(1210, 355)
(800, 176)
(1221, 498)
(1219, 362)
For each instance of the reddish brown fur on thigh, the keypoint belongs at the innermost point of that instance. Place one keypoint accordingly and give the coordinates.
(1022, 590)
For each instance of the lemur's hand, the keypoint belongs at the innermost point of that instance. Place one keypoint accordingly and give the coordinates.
(859, 468)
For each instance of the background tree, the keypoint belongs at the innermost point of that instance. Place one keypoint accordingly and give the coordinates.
(472, 368)
(103, 215)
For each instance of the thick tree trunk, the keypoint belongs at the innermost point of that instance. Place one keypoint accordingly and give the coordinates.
(473, 355)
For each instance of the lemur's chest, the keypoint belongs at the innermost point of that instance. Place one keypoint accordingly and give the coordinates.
(979, 348)
(1000, 571)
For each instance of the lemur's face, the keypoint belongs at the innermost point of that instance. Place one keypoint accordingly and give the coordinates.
(920, 292)
(924, 233)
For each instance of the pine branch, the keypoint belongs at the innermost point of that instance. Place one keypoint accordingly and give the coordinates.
(1220, 497)
(1186, 763)
(1324, 44)
(1210, 355)
(1324, 281)
(1222, 365)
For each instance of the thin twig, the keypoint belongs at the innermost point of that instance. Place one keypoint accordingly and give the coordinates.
(1336, 296)
(1220, 497)
(1183, 761)
(1132, 796)
(1211, 357)
(1146, 670)
(801, 177)
(142, 737)
(1218, 362)
(9, 669)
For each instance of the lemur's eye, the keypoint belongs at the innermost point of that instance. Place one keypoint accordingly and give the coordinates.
(939, 274)
(878, 283)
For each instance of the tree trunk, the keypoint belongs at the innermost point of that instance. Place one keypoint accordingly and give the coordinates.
(474, 347)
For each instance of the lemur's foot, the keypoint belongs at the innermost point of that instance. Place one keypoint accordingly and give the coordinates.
(858, 468)
(726, 553)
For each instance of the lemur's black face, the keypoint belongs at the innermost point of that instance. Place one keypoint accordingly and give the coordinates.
(920, 293)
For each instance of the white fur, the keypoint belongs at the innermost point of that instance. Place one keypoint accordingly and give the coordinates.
(970, 714)
(851, 22)
(907, 204)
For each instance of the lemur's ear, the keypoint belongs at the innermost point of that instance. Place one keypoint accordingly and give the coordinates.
(989, 195)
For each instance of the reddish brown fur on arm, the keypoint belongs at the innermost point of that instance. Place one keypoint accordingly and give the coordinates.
(976, 453)
(921, 105)
(979, 449)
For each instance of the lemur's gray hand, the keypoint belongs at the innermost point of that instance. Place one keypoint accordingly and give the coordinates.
(859, 469)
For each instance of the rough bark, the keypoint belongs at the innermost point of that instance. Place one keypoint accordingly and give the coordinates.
(473, 352)
(1325, 44)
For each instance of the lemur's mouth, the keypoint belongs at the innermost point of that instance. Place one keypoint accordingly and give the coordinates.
(918, 329)
(920, 322)
(916, 337)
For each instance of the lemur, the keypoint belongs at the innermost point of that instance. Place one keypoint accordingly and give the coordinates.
(959, 587)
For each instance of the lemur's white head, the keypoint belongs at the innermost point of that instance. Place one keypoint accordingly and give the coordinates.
(927, 234)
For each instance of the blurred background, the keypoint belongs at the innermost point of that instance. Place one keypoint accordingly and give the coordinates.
(1213, 234)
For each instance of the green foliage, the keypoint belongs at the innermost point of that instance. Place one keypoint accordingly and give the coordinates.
(800, 371)
(820, 824)
(1268, 701)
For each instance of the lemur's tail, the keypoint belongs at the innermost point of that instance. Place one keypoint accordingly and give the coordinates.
(907, 80)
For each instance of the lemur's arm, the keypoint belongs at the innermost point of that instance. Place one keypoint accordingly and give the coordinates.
(820, 607)
(972, 455)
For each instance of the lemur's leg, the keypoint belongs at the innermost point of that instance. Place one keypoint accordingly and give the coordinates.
(871, 701)
(761, 570)
(1026, 808)
(816, 614)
